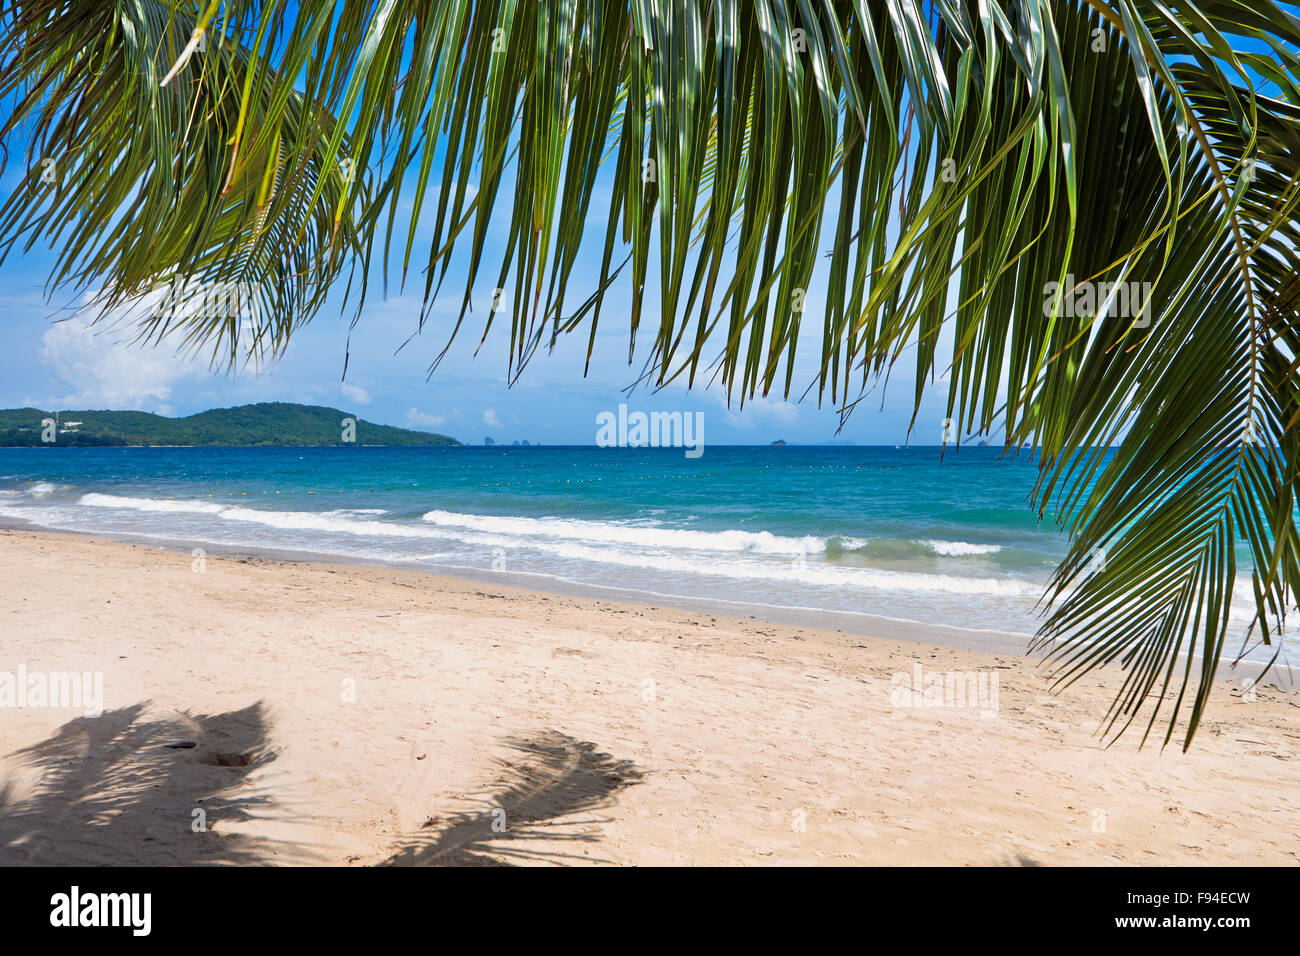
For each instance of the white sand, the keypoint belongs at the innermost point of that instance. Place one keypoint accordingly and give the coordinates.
(492, 724)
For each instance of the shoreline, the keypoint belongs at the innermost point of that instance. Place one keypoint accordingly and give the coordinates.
(859, 624)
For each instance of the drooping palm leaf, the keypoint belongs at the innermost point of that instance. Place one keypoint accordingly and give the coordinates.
(167, 161)
(934, 164)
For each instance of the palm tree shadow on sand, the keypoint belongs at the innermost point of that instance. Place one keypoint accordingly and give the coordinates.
(534, 799)
(120, 788)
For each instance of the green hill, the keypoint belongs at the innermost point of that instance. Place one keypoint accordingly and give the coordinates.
(267, 423)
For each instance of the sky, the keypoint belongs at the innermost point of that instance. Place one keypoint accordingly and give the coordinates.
(53, 362)
(64, 365)
(56, 363)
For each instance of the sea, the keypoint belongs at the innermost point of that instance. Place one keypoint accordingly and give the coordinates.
(907, 534)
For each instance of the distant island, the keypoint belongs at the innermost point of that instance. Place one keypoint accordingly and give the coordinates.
(266, 423)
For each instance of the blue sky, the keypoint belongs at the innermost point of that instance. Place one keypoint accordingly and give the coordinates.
(64, 365)
(55, 364)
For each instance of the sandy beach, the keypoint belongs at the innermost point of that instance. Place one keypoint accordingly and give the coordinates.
(263, 711)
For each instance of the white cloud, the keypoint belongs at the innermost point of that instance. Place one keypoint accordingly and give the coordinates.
(104, 371)
(490, 419)
(416, 417)
(355, 393)
(759, 412)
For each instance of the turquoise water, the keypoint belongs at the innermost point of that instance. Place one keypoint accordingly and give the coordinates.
(889, 532)
(882, 531)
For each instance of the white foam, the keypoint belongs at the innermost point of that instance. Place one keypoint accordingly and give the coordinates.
(748, 555)
(327, 521)
(576, 529)
(822, 575)
(324, 521)
(96, 500)
(852, 544)
(961, 548)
